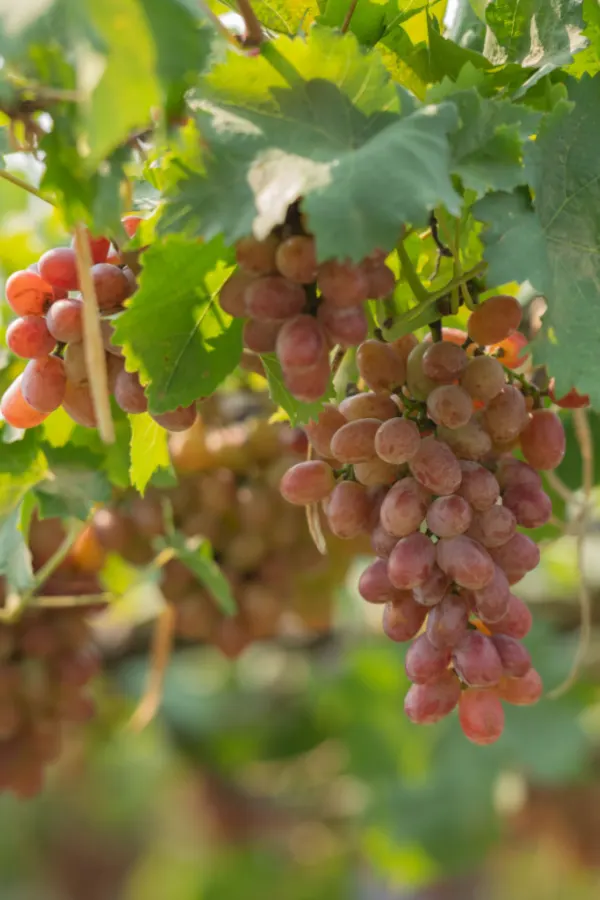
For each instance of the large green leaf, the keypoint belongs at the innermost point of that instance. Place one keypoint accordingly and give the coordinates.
(74, 485)
(534, 32)
(22, 465)
(149, 450)
(15, 556)
(173, 330)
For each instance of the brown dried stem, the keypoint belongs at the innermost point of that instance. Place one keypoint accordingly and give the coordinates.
(348, 17)
(160, 654)
(254, 32)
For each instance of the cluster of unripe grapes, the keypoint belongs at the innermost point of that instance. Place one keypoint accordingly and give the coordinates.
(301, 309)
(49, 332)
(423, 462)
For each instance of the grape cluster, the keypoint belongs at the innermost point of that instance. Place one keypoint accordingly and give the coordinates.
(422, 461)
(301, 309)
(49, 333)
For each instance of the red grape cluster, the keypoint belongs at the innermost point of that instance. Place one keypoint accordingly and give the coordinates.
(46, 662)
(301, 309)
(423, 462)
(49, 333)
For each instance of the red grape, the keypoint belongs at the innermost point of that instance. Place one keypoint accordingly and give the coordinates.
(257, 257)
(404, 507)
(444, 362)
(129, 392)
(402, 617)
(179, 419)
(510, 350)
(432, 591)
(65, 321)
(78, 404)
(478, 485)
(28, 294)
(354, 442)
(297, 259)
(515, 658)
(419, 384)
(381, 281)
(449, 405)
(517, 621)
(349, 510)
(436, 467)
(397, 440)
(493, 599)
(465, 561)
(321, 431)
(309, 384)
(470, 442)
(506, 415)
(424, 662)
(481, 716)
(411, 561)
(493, 527)
(44, 383)
(274, 297)
(111, 284)
(494, 320)
(516, 557)
(29, 337)
(382, 542)
(342, 283)
(374, 585)
(59, 268)
(368, 405)
(426, 704)
(476, 660)
(447, 621)
(300, 343)
(75, 363)
(380, 366)
(347, 327)
(16, 411)
(483, 378)
(260, 336)
(233, 292)
(512, 472)
(307, 482)
(108, 329)
(375, 472)
(543, 440)
(532, 507)
(524, 691)
(449, 516)
(99, 247)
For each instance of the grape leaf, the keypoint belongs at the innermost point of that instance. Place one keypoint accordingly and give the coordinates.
(588, 60)
(75, 484)
(149, 450)
(298, 412)
(373, 171)
(199, 560)
(371, 21)
(15, 556)
(534, 32)
(173, 330)
(22, 465)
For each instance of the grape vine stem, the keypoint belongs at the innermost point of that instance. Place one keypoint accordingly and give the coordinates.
(25, 186)
(160, 654)
(254, 32)
(348, 16)
(95, 358)
(586, 447)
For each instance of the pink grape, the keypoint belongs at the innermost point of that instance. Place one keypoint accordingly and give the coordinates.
(465, 561)
(478, 485)
(59, 268)
(444, 362)
(374, 585)
(382, 542)
(402, 617)
(347, 327)
(307, 482)
(517, 622)
(310, 384)
(516, 557)
(65, 321)
(79, 405)
(449, 405)
(179, 419)
(354, 442)
(129, 393)
(543, 440)
(447, 621)
(493, 527)
(111, 285)
(449, 516)
(493, 599)
(483, 378)
(349, 510)
(432, 591)
(515, 658)
(523, 691)
(16, 410)
(404, 507)
(426, 704)
(470, 442)
(232, 294)
(44, 382)
(300, 343)
(419, 384)
(476, 660)
(513, 472)
(368, 405)
(108, 329)
(274, 297)
(380, 279)
(255, 256)
(342, 283)
(436, 467)
(481, 716)
(375, 472)
(99, 247)
(506, 415)
(397, 440)
(29, 337)
(296, 258)
(532, 507)
(75, 363)
(260, 336)
(28, 294)
(321, 431)
(411, 561)
(380, 366)
(424, 662)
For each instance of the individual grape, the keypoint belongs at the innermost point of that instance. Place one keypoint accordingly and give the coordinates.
(75, 364)
(321, 431)
(405, 345)
(465, 561)
(493, 527)
(43, 384)
(342, 283)
(354, 442)
(379, 366)
(483, 378)
(512, 472)
(381, 281)
(494, 320)
(129, 393)
(516, 557)
(111, 285)
(506, 415)
(426, 704)
(481, 716)
(470, 442)
(233, 292)
(523, 691)
(131, 280)
(368, 405)
(58, 268)
(274, 297)
(112, 529)
(424, 662)
(307, 482)
(515, 657)
(257, 257)
(517, 622)
(28, 294)
(418, 383)
(451, 335)
(444, 362)
(411, 561)
(572, 400)
(436, 467)
(532, 507)
(478, 485)
(543, 440)
(260, 336)
(375, 472)
(476, 660)
(179, 419)
(404, 507)
(397, 440)
(349, 510)
(493, 599)
(65, 321)
(402, 617)
(374, 585)
(309, 384)
(300, 343)
(447, 622)
(79, 405)
(131, 224)
(510, 350)
(29, 337)
(99, 247)
(347, 326)
(297, 259)
(250, 362)
(108, 329)
(432, 591)
(449, 516)
(449, 405)
(16, 410)
(382, 542)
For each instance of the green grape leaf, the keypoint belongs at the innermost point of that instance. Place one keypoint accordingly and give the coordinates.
(372, 21)
(372, 169)
(199, 560)
(298, 412)
(149, 450)
(74, 485)
(173, 331)
(22, 466)
(15, 556)
(588, 60)
(534, 32)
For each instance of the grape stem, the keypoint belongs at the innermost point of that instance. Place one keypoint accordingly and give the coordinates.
(24, 185)
(160, 654)
(95, 357)
(254, 32)
(348, 16)
(412, 279)
(431, 297)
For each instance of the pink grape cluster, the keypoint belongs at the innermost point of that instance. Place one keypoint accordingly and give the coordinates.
(422, 461)
(301, 309)
(49, 333)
